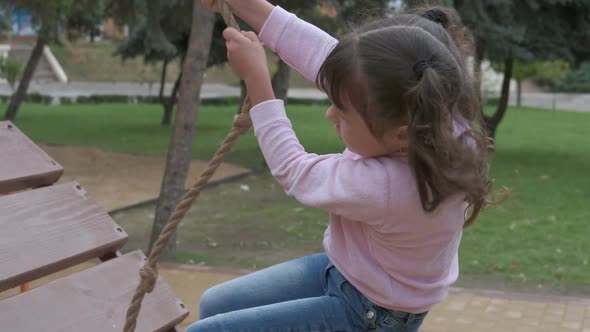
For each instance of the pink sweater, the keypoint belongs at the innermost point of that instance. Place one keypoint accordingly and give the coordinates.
(379, 237)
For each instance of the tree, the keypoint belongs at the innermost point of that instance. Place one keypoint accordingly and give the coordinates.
(136, 46)
(125, 12)
(175, 29)
(47, 15)
(180, 149)
(82, 21)
(521, 71)
(510, 31)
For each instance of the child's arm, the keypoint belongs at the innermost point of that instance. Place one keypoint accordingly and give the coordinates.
(354, 188)
(357, 189)
(301, 45)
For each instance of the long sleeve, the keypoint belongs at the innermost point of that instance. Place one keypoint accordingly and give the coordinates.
(301, 45)
(357, 189)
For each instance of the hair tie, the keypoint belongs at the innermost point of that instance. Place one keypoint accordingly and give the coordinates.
(420, 66)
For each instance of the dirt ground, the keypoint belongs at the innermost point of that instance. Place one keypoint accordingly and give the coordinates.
(116, 180)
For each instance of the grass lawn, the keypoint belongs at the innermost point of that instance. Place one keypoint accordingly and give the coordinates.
(137, 129)
(537, 239)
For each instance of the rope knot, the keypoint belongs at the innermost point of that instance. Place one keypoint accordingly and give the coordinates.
(149, 276)
(242, 122)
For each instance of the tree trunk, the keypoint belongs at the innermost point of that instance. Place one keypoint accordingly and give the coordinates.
(163, 80)
(518, 93)
(492, 122)
(280, 80)
(171, 102)
(23, 86)
(180, 149)
(167, 116)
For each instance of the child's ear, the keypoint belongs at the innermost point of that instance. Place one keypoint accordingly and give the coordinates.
(401, 133)
(398, 139)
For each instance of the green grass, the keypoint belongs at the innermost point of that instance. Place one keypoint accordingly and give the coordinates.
(540, 234)
(233, 226)
(538, 238)
(136, 129)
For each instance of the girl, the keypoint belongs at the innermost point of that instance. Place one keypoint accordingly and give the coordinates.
(405, 106)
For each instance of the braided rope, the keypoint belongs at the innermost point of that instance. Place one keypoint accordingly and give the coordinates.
(149, 273)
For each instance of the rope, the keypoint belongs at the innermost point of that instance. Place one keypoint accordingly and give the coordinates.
(149, 273)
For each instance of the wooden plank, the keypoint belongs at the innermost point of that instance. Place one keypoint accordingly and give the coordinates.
(24, 165)
(93, 300)
(49, 229)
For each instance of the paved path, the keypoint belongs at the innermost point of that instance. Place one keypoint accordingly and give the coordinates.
(465, 310)
(561, 101)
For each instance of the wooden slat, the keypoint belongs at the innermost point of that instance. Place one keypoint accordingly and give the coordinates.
(23, 164)
(93, 300)
(49, 229)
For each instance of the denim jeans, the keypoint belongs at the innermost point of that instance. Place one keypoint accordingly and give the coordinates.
(305, 294)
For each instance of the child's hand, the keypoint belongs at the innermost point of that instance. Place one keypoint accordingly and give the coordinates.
(248, 60)
(246, 55)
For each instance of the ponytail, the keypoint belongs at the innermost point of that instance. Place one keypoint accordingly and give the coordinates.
(444, 163)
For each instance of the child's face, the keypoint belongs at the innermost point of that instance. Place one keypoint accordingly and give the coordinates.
(354, 132)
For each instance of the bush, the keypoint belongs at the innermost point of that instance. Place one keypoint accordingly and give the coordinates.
(576, 81)
(550, 73)
(121, 99)
(37, 98)
(9, 69)
(66, 100)
(103, 99)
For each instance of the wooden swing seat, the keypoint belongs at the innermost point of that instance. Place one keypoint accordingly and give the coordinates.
(46, 228)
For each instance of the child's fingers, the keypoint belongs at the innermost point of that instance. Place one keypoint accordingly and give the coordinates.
(231, 34)
(250, 35)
